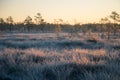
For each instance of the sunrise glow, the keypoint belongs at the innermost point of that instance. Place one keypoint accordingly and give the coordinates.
(83, 11)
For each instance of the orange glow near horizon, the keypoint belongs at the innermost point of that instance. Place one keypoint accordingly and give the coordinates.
(72, 11)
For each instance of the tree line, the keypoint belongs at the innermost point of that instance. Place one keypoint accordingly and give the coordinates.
(106, 25)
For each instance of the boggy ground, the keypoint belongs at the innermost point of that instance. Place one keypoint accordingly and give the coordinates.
(34, 56)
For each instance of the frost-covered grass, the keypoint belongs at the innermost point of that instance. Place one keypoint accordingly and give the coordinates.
(44, 56)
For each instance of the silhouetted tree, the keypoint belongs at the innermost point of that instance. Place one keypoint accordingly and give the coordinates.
(10, 21)
(39, 19)
(28, 22)
(105, 21)
(116, 18)
(2, 24)
(2, 21)
(40, 22)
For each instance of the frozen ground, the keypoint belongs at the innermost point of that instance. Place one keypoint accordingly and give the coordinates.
(44, 56)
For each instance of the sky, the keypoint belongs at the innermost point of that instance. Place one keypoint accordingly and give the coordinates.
(72, 11)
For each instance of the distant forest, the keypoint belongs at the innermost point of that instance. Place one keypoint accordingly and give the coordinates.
(108, 24)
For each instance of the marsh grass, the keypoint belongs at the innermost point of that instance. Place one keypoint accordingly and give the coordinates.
(55, 59)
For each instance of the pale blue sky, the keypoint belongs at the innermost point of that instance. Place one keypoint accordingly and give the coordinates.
(68, 10)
